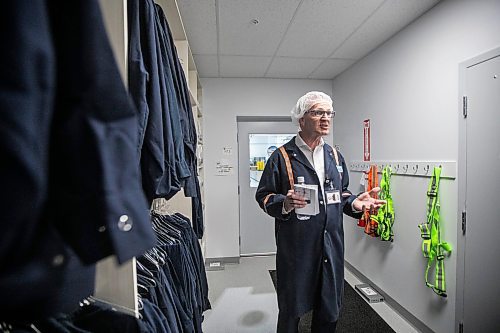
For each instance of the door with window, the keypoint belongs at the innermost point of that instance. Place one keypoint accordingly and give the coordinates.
(257, 139)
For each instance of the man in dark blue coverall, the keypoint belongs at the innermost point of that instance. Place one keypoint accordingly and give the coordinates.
(310, 253)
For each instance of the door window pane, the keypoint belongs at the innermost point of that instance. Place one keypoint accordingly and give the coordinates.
(261, 147)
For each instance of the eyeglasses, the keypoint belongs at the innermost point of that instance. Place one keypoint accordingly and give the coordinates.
(321, 113)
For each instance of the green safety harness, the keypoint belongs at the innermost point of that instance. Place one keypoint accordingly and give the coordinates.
(385, 216)
(432, 247)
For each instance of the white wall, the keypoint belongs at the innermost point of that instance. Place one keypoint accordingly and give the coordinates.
(408, 87)
(223, 101)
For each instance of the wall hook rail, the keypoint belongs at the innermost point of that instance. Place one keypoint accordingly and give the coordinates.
(409, 168)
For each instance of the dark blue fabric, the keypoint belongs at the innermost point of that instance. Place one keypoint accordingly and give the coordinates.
(94, 171)
(310, 256)
(182, 300)
(138, 76)
(190, 238)
(180, 291)
(175, 107)
(68, 141)
(191, 184)
(166, 124)
(187, 280)
(156, 154)
(97, 317)
(161, 294)
(102, 318)
(154, 318)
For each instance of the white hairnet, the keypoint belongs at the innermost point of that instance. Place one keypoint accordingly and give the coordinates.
(306, 102)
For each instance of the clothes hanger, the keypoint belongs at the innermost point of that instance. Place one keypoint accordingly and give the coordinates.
(145, 281)
(143, 269)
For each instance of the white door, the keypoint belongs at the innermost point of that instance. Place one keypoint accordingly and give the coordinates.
(482, 242)
(256, 140)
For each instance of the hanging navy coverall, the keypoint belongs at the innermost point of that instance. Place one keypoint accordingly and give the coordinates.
(310, 253)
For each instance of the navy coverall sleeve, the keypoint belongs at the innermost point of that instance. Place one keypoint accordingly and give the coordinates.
(270, 193)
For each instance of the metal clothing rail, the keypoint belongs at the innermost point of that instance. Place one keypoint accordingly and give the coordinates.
(409, 168)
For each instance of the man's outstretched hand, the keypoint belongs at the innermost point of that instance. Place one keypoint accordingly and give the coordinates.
(367, 201)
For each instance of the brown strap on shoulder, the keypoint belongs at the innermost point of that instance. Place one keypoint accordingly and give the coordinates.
(288, 165)
(336, 156)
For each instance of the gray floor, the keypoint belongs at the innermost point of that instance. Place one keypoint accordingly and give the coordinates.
(244, 300)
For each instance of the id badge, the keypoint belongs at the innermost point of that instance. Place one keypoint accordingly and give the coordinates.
(332, 197)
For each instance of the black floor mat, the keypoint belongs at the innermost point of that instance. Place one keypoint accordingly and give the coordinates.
(356, 315)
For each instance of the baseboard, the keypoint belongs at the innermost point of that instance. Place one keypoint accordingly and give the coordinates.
(219, 263)
(417, 323)
(263, 254)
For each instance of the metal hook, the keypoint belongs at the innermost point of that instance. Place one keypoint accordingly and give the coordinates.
(405, 168)
(415, 168)
(426, 168)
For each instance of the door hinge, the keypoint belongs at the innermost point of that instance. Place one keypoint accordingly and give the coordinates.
(461, 327)
(464, 106)
(464, 222)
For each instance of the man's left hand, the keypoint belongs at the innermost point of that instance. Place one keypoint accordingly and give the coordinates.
(367, 201)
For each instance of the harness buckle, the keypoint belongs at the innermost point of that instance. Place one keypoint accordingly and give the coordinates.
(432, 194)
(424, 231)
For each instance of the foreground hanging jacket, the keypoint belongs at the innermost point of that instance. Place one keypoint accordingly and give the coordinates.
(433, 248)
(159, 89)
(68, 136)
(190, 183)
(145, 77)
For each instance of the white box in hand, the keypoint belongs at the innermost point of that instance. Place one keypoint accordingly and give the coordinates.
(310, 193)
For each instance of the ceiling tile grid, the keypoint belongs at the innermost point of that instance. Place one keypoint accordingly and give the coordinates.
(321, 25)
(207, 65)
(292, 68)
(239, 36)
(243, 66)
(392, 16)
(199, 21)
(331, 68)
(316, 39)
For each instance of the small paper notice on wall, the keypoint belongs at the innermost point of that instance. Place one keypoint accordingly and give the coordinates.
(227, 150)
(223, 168)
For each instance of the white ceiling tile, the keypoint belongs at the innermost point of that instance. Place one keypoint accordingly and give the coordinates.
(199, 21)
(305, 34)
(243, 66)
(393, 16)
(320, 26)
(239, 36)
(331, 68)
(286, 67)
(206, 65)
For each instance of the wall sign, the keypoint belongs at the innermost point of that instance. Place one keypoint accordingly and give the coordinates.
(366, 140)
(223, 168)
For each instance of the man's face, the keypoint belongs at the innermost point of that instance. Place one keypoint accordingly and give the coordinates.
(314, 125)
